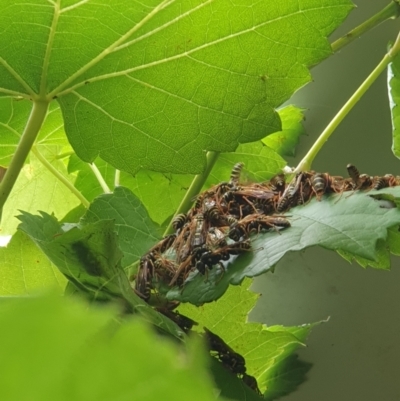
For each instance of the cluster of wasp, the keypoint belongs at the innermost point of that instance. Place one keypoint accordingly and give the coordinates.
(220, 225)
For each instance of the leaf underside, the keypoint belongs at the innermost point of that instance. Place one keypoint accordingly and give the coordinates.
(156, 85)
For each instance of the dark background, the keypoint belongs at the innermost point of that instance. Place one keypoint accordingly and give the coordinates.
(356, 355)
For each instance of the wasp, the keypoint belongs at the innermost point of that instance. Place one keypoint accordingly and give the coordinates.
(210, 258)
(319, 184)
(235, 174)
(213, 214)
(143, 280)
(188, 263)
(164, 244)
(277, 183)
(359, 181)
(256, 223)
(251, 382)
(184, 322)
(198, 238)
(179, 221)
(288, 197)
(216, 238)
(388, 180)
(227, 356)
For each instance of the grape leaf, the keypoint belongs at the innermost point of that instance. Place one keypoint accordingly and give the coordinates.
(155, 86)
(394, 99)
(148, 186)
(26, 269)
(14, 113)
(349, 222)
(136, 232)
(37, 188)
(260, 164)
(287, 375)
(59, 349)
(89, 257)
(284, 142)
(264, 348)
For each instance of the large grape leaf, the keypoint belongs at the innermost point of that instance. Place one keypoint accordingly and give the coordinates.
(25, 269)
(55, 348)
(352, 222)
(89, 257)
(264, 348)
(394, 99)
(155, 85)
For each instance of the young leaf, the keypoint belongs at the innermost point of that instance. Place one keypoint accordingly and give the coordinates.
(284, 142)
(89, 257)
(262, 347)
(56, 348)
(25, 269)
(155, 86)
(349, 222)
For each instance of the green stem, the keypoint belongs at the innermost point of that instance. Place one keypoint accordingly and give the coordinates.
(100, 178)
(195, 188)
(391, 11)
(60, 177)
(117, 178)
(34, 123)
(306, 163)
(64, 155)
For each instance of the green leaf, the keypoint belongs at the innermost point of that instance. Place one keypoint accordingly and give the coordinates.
(260, 164)
(37, 189)
(25, 269)
(394, 99)
(89, 257)
(136, 232)
(286, 376)
(352, 223)
(59, 349)
(284, 142)
(156, 86)
(262, 347)
(14, 113)
(148, 186)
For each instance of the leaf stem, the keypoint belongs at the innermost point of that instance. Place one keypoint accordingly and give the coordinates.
(117, 178)
(60, 177)
(306, 163)
(391, 11)
(64, 155)
(195, 188)
(100, 178)
(33, 125)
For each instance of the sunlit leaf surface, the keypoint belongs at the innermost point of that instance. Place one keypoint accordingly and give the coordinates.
(25, 269)
(155, 85)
